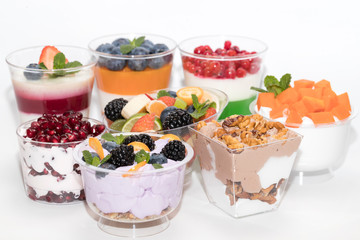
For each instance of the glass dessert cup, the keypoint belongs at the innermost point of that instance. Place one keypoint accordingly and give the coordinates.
(237, 87)
(125, 82)
(49, 171)
(245, 181)
(133, 204)
(218, 96)
(49, 94)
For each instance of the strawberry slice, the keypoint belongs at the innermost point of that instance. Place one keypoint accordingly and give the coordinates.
(169, 101)
(209, 112)
(47, 56)
(145, 123)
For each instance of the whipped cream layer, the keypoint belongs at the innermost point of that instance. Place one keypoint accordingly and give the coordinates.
(236, 89)
(322, 147)
(144, 194)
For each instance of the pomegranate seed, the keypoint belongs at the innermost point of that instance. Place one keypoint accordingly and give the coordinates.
(230, 73)
(73, 121)
(68, 113)
(77, 127)
(47, 165)
(227, 45)
(71, 137)
(99, 128)
(35, 125)
(50, 132)
(254, 68)
(44, 125)
(64, 139)
(66, 129)
(40, 120)
(240, 72)
(78, 115)
(83, 134)
(40, 138)
(31, 132)
(55, 139)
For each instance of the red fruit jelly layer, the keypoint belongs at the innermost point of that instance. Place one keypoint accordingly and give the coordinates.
(55, 106)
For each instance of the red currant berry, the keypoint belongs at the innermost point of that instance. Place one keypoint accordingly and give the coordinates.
(230, 73)
(199, 50)
(215, 67)
(207, 72)
(198, 71)
(240, 72)
(245, 64)
(254, 68)
(231, 52)
(227, 45)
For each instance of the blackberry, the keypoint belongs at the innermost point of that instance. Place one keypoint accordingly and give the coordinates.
(113, 109)
(177, 118)
(122, 156)
(144, 138)
(174, 150)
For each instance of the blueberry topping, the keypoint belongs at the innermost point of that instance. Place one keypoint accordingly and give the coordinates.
(190, 109)
(105, 165)
(33, 75)
(109, 146)
(172, 94)
(116, 51)
(148, 45)
(158, 158)
(166, 112)
(159, 48)
(138, 64)
(105, 48)
(120, 41)
(114, 64)
(156, 63)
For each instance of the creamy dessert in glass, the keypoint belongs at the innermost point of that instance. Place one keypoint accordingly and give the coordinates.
(52, 79)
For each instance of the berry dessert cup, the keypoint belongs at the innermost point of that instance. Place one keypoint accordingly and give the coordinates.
(133, 181)
(165, 111)
(52, 80)
(232, 69)
(245, 162)
(323, 117)
(131, 64)
(46, 154)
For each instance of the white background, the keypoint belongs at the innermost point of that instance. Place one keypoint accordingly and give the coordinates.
(309, 39)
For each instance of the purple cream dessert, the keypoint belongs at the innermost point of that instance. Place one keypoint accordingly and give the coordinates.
(130, 178)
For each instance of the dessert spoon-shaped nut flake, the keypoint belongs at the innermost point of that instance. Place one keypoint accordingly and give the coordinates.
(220, 132)
(200, 125)
(232, 142)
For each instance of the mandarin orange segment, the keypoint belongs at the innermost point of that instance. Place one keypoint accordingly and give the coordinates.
(95, 144)
(135, 168)
(186, 92)
(171, 137)
(266, 100)
(156, 107)
(139, 146)
(303, 83)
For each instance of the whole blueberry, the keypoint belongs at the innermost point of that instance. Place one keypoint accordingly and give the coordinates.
(109, 146)
(172, 94)
(158, 158)
(166, 112)
(114, 64)
(93, 154)
(105, 48)
(105, 165)
(138, 64)
(148, 45)
(120, 41)
(159, 48)
(190, 109)
(116, 51)
(33, 75)
(156, 63)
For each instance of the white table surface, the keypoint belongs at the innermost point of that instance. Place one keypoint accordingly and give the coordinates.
(308, 39)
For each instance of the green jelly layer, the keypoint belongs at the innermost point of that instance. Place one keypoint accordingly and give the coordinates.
(237, 107)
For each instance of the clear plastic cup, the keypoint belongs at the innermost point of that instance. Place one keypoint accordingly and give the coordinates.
(55, 91)
(223, 73)
(121, 75)
(133, 204)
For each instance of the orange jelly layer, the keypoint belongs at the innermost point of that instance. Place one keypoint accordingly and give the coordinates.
(129, 82)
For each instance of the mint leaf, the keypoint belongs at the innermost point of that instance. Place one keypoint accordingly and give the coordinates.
(162, 93)
(275, 89)
(200, 109)
(285, 81)
(125, 49)
(258, 89)
(108, 137)
(95, 161)
(157, 166)
(142, 155)
(59, 61)
(212, 105)
(138, 41)
(87, 157)
(119, 139)
(105, 159)
(73, 64)
(195, 101)
(42, 66)
(270, 81)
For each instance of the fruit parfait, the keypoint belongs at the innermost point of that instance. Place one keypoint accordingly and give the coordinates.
(52, 80)
(46, 155)
(245, 162)
(131, 64)
(133, 181)
(228, 63)
(315, 111)
(165, 111)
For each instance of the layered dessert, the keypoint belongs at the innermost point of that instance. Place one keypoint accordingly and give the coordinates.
(230, 69)
(53, 84)
(133, 178)
(46, 156)
(245, 162)
(315, 111)
(131, 65)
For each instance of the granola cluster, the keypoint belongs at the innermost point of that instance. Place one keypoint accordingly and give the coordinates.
(235, 191)
(238, 131)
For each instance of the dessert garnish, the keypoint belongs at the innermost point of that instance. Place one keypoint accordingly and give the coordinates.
(136, 42)
(275, 86)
